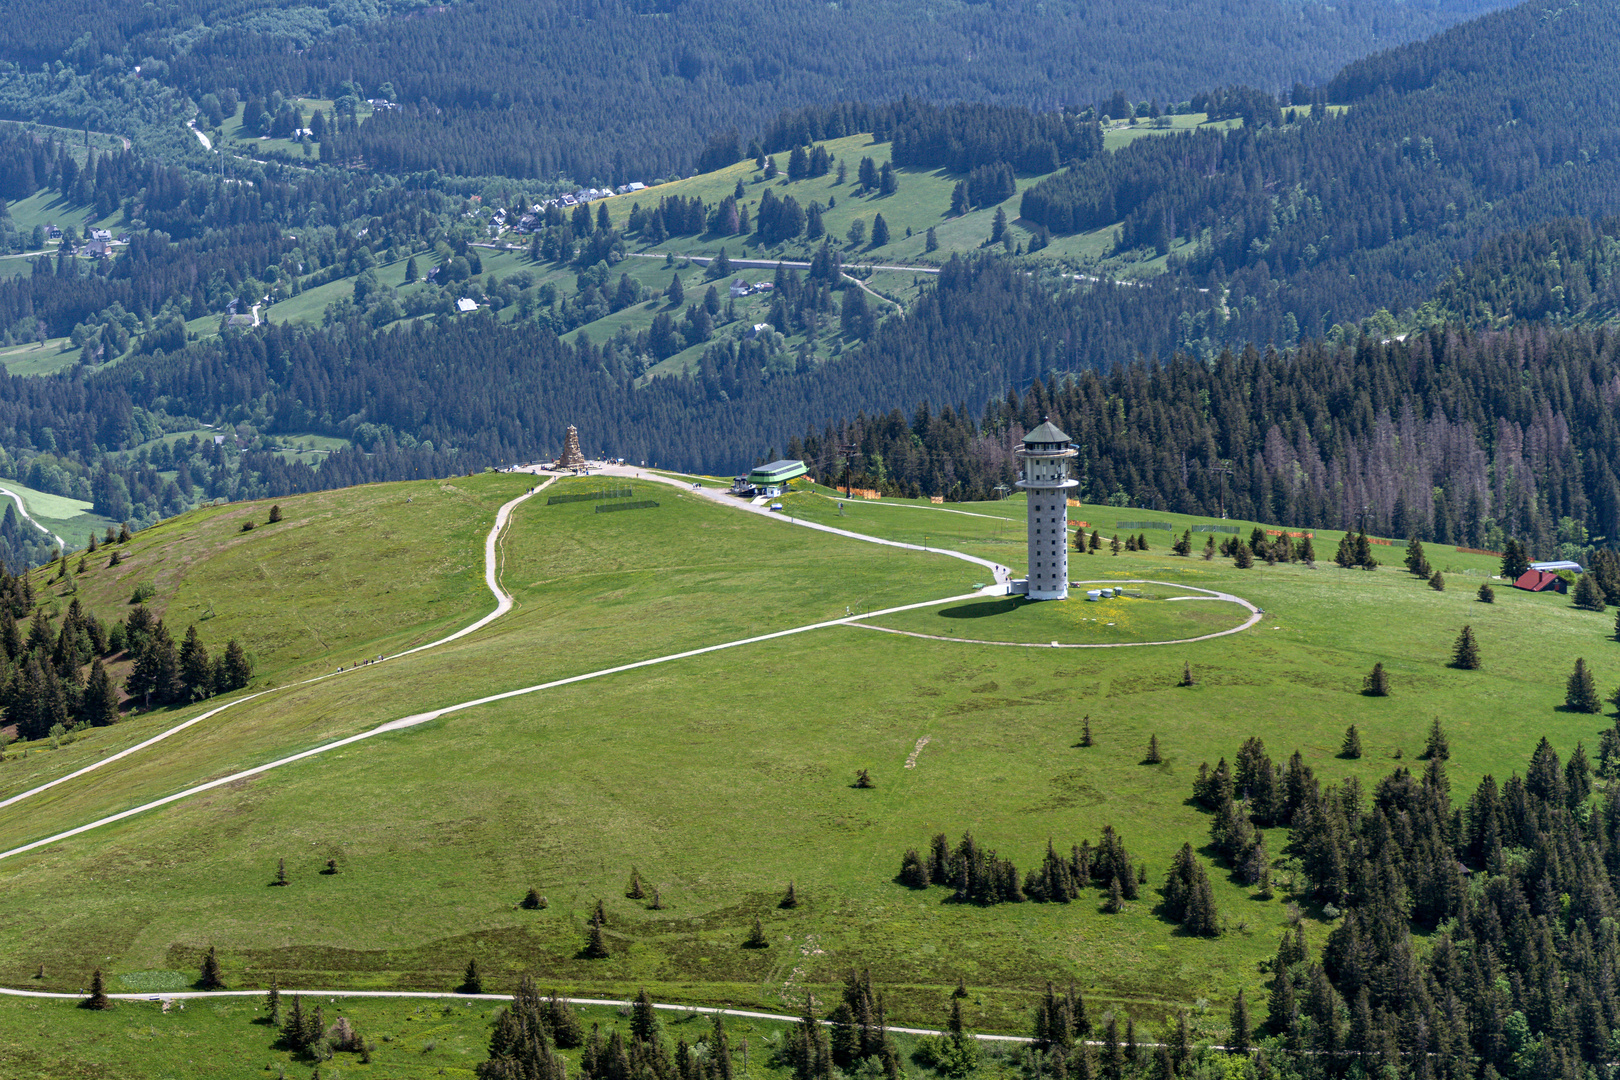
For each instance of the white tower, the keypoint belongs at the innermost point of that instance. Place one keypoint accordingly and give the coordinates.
(1045, 454)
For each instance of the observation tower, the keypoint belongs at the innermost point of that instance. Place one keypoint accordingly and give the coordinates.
(1045, 456)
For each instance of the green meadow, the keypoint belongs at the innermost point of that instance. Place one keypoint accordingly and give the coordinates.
(722, 777)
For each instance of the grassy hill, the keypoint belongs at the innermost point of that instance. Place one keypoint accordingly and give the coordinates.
(724, 776)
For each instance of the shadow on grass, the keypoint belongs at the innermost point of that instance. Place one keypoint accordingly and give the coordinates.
(984, 609)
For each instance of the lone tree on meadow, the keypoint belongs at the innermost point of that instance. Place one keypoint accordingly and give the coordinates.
(1186, 673)
(756, 938)
(1209, 548)
(1437, 582)
(1437, 748)
(1376, 684)
(595, 947)
(790, 900)
(281, 873)
(1154, 755)
(210, 978)
(1580, 695)
(863, 779)
(532, 900)
(1085, 732)
(1465, 651)
(1589, 594)
(1416, 561)
(1487, 595)
(1351, 747)
(275, 513)
(634, 891)
(98, 998)
(471, 981)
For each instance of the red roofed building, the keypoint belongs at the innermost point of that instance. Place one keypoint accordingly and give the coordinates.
(1541, 581)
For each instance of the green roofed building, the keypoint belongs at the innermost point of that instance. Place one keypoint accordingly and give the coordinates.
(772, 479)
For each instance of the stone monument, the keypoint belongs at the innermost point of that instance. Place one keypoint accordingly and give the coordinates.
(571, 458)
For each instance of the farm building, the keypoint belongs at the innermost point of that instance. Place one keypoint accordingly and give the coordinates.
(1541, 581)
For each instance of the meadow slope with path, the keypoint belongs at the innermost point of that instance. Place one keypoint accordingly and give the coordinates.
(493, 564)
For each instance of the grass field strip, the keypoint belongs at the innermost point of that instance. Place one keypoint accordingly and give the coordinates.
(436, 995)
(494, 559)
(1255, 615)
(23, 510)
(421, 718)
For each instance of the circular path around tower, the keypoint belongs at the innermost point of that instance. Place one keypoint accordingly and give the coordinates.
(1006, 605)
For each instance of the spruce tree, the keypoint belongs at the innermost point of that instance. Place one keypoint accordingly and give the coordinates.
(1096, 541)
(98, 998)
(961, 988)
(790, 900)
(1141, 542)
(756, 938)
(1487, 595)
(1581, 694)
(238, 669)
(634, 890)
(1436, 748)
(1306, 552)
(1376, 684)
(657, 900)
(675, 292)
(1209, 548)
(532, 900)
(1243, 557)
(275, 513)
(1351, 747)
(1416, 562)
(471, 981)
(210, 977)
(595, 947)
(1116, 897)
(1515, 560)
(272, 1003)
(411, 270)
(1589, 594)
(1085, 731)
(1345, 557)
(1154, 757)
(1238, 1041)
(281, 873)
(1186, 673)
(1437, 582)
(99, 706)
(1465, 652)
(1113, 545)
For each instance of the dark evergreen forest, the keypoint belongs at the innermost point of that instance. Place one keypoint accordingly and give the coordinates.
(629, 89)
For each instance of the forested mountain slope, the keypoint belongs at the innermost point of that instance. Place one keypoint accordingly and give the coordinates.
(1493, 126)
(629, 89)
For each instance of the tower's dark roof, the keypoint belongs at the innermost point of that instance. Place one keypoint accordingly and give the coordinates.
(1046, 433)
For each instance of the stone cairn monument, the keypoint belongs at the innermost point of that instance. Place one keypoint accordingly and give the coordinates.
(571, 458)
